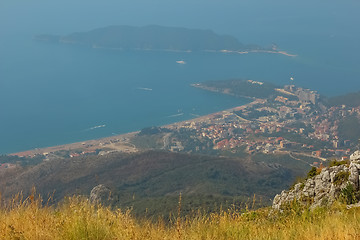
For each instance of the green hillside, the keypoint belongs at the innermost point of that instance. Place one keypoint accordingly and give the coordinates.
(155, 179)
(350, 100)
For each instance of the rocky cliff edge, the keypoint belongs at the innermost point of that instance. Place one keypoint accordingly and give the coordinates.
(328, 185)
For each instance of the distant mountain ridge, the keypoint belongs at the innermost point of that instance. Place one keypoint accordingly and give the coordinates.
(152, 37)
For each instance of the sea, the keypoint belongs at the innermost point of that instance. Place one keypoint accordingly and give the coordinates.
(52, 94)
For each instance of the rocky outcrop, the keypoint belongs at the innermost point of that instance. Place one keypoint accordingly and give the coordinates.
(324, 188)
(101, 195)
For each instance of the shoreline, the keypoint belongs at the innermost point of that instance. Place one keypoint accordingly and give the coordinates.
(260, 51)
(209, 51)
(89, 145)
(119, 143)
(215, 90)
(212, 115)
(245, 51)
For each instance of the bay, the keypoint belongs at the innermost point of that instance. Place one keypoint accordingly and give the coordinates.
(54, 94)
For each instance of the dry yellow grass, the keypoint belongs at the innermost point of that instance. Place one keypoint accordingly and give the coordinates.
(78, 219)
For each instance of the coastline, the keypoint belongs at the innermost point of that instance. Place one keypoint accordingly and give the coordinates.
(215, 90)
(121, 142)
(245, 51)
(259, 51)
(210, 51)
(87, 145)
(213, 115)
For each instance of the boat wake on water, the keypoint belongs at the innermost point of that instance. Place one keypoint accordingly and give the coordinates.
(95, 127)
(176, 115)
(145, 89)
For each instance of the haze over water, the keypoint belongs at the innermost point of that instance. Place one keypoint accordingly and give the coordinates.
(54, 94)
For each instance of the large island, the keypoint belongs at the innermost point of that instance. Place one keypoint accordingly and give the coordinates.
(158, 38)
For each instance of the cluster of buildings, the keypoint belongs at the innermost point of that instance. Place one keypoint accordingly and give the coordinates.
(304, 95)
(276, 126)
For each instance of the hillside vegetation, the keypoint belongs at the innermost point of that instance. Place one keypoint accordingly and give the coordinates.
(350, 99)
(349, 128)
(240, 88)
(154, 180)
(76, 218)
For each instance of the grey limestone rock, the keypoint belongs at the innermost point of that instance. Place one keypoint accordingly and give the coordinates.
(323, 189)
(325, 175)
(354, 174)
(355, 156)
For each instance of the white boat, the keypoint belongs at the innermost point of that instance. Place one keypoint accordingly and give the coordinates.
(181, 62)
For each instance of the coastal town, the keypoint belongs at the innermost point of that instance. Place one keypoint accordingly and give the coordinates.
(299, 123)
(294, 121)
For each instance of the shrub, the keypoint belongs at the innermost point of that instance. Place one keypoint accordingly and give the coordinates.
(341, 177)
(348, 194)
(324, 202)
(335, 163)
(313, 172)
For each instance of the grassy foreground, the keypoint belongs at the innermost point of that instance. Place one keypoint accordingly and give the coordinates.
(77, 219)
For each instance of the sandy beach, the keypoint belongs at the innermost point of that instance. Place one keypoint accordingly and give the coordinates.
(120, 142)
(117, 142)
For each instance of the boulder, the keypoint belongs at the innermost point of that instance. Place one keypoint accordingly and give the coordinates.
(101, 195)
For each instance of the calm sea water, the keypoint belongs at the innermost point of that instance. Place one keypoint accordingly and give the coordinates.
(54, 94)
